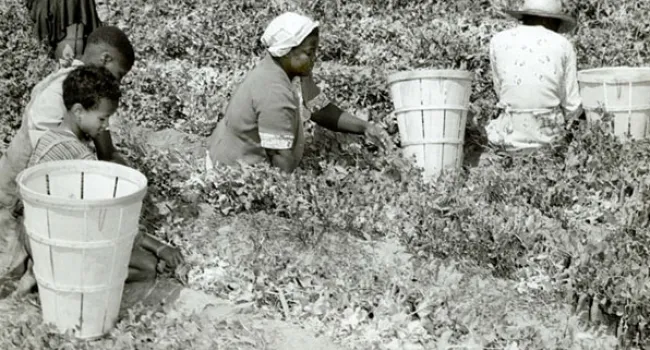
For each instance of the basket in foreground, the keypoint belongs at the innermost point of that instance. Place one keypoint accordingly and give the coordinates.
(81, 218)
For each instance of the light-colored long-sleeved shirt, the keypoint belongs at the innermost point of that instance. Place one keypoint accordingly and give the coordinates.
(534, 68)
(535, 78)
(46, 109)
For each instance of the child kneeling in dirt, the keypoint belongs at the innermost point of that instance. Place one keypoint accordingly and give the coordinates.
(91, 96)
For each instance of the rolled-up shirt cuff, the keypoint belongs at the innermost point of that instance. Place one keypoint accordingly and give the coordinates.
(273, 141)
(317, 103)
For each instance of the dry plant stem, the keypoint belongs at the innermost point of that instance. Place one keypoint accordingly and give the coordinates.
(285, 305)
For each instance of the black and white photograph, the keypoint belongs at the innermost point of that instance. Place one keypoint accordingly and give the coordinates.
(325, 174)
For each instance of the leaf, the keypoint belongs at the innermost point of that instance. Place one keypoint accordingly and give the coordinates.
(443, 342)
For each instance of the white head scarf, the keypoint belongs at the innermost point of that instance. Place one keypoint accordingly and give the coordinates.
(286, 32)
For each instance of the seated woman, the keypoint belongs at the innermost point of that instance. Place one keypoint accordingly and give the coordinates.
(64, 23)
(534, 76)
(263, 121)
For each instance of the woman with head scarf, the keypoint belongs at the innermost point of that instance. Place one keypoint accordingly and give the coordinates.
(263, 121)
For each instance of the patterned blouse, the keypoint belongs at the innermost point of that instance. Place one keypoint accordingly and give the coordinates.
(534, 68)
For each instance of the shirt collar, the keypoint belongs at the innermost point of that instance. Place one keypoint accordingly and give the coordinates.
(270, 63)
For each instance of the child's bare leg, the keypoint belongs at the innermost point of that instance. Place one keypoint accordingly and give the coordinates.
(74, 39)
(142, 266)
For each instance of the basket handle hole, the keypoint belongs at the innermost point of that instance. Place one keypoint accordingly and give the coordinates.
(117, 179)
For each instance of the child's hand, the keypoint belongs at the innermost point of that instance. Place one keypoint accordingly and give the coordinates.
(170, 255)
(27, 281)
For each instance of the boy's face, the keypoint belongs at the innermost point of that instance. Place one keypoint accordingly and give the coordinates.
(117, 68)
(94, 121)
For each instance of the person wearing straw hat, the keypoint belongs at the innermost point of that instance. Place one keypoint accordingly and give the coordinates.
(535, 77)
(264, 118)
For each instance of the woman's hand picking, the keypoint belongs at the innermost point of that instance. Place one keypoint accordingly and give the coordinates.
(378, 136)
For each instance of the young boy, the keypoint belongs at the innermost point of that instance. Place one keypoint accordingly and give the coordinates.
(108, 47)
(91, 96)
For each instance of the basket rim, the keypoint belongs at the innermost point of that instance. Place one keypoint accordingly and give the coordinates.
(586, 75)
(429, 73)
(102, 167)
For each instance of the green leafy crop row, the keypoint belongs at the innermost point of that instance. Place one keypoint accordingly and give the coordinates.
(577, 213)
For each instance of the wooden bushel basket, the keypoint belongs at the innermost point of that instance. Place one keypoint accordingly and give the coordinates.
(81, 218)
(622, 91)
(431, 109)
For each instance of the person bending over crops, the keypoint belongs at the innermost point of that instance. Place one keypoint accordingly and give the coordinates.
(107, 47)
(91, 96)
(263, 121)
(64, 24)
(535, 78)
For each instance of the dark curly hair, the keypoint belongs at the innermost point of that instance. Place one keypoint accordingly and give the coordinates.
(114, 37)
(87, 85)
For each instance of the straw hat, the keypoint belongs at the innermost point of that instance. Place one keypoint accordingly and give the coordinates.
(545, 8)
